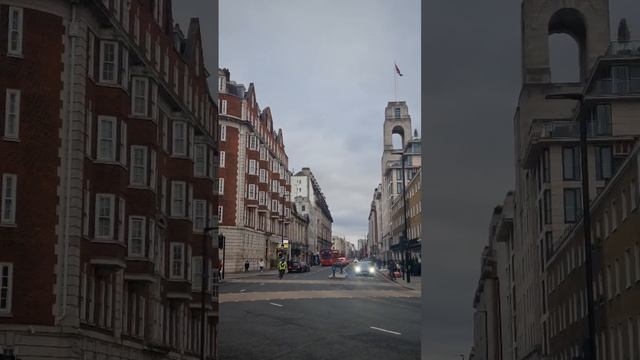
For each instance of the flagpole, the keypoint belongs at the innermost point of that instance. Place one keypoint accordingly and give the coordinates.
(395, 83)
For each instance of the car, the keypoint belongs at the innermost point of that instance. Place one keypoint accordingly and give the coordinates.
(298, 266)
(363, 268)
(355, 261)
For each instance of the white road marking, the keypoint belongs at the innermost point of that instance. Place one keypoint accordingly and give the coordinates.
(274, 304)
(243, 290)
(389, 331)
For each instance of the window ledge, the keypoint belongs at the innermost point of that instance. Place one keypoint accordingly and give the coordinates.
(109, 84)
(137, 258)
(181, 157)
(109, 162)
(9, 225)
(140, 187)
(6, 314)
(141, 117)
(108, 241)
(12, 139)
(15, 55)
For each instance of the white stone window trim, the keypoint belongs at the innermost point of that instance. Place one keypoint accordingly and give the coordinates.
(130, 244)
(173, 259)
(103, 44)
(202, 205)
(175, 211)
(200, 160)
(136, 83)
(222, 159)
(99, 153)
(183, 151)
(6, 310)
(17, 51)
(11, 199)
(15, 133)
(144, 166)
(111, 216)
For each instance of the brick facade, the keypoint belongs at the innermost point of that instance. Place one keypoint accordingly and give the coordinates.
(254, 205)
(114, 167)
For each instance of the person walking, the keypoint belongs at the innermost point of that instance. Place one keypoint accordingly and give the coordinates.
(261, 265)
(333, 269)
(246, 265)
(282, 267)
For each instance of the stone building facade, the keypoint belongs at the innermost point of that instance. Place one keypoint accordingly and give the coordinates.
(310, 201)
(397, 122)
(546, 195)
(254, 182)
(108, 143)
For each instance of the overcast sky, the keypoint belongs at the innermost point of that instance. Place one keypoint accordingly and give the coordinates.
(326, 70)
(472, 81)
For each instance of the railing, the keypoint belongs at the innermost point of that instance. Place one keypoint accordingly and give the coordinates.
(624, 48)
(559, 129)
(620, 87)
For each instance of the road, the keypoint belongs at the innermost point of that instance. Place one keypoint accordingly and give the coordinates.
(309, 316)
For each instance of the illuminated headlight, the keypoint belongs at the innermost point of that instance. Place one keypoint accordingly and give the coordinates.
(372, 269)
(357, 269)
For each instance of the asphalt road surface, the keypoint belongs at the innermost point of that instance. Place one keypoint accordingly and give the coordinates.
(309, 316)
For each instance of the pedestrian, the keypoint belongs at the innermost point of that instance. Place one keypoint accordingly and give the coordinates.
(282, 266)
(246, 265)
(333, 268)
(261, 264)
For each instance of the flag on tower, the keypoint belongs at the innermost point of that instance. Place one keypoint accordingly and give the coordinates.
(398, 70)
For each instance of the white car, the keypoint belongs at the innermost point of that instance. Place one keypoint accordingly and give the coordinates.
(355, 261)
(365, 268)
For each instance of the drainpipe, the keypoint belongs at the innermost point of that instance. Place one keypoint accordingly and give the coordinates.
(65, 269)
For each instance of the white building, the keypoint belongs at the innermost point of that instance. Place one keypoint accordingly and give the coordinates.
(309, 200)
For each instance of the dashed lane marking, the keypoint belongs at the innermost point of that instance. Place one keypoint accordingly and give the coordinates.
(387, 331)
(243, 290)
(274, 304)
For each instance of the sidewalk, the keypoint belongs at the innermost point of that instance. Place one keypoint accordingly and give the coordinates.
(242, 275)
(415, 284)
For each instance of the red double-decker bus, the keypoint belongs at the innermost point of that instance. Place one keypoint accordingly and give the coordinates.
(328, 257)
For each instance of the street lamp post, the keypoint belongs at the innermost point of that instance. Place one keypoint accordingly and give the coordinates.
(203, 287)
(404, 205)
(590, 353)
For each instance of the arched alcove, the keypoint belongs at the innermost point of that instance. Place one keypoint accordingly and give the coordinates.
(397, 138)
(567, 41)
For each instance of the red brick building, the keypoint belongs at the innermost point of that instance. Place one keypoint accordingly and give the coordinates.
(254, 181)
(107, 155)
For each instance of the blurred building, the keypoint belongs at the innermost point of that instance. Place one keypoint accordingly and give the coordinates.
(254, 183)
(309, 200)
(108, 148)
(493, 330)
(299, 235)
(547, 198)
(397, 122)
(339, 243)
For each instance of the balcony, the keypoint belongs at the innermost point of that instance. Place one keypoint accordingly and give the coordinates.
(624, 49)
(545, 131)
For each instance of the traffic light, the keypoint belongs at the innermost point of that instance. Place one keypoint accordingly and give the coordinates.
(220, 241)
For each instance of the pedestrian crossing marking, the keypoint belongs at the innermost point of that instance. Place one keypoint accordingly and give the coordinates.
(314, 294)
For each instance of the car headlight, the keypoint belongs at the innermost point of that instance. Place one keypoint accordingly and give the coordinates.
(357, 269)
(372, 269)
